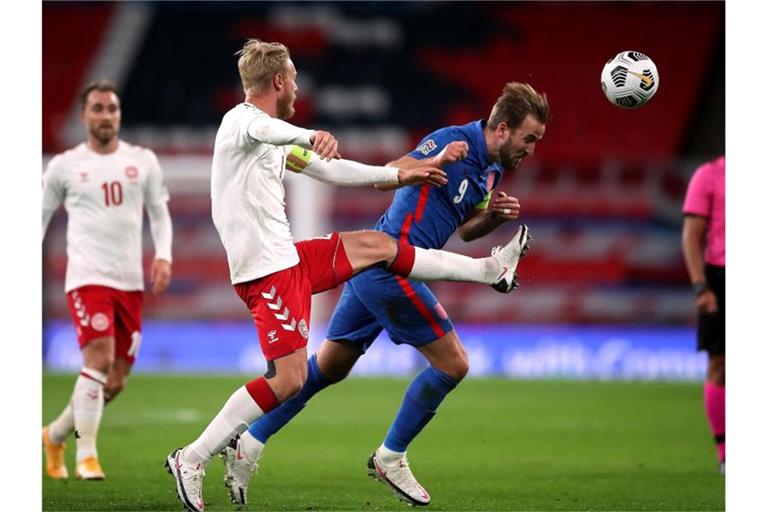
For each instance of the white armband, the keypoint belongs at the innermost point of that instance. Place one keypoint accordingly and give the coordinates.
(338, 172)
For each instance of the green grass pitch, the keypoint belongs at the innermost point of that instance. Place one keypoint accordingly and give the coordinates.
(494, 445)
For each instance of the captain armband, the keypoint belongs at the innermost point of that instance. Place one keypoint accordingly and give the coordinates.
(298, 159)
(483, 205)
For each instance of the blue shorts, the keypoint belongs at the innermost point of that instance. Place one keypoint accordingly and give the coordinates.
(376, 299)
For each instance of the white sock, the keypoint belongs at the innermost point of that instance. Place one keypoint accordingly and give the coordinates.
(239, 411)
(388, 456)
(87, 407)
(433, 264)
(60, 428)
(250, 447)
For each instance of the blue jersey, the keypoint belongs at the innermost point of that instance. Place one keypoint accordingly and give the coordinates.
(427, 216)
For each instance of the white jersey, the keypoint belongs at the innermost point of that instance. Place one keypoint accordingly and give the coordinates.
(247, 194)
(104, 197)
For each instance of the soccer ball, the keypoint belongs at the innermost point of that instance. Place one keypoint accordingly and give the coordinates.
(630, 79)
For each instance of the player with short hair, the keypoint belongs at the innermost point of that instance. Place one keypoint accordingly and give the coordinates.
(275, 277)
(104, 184)
(704, 251)
(474, 157)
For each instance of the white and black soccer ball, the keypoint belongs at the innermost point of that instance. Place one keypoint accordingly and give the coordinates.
(630, 79)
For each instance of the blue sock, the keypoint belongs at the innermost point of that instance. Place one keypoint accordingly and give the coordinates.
(273, 421)
(419, 405)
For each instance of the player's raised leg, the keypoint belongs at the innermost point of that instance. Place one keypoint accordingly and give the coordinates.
(367, 248)
(388, 464)
(331, 364)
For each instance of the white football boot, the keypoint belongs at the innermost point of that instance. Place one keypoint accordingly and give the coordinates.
(508, 257)
(189, 481)
(399, 478)
(238, 471)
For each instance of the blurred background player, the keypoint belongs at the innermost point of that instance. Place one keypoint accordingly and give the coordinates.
(704, 251)
(474, 156)
(275, 277)
(104, 183)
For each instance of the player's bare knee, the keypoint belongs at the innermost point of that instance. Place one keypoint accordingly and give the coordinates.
(290, 387)
(386, 247)
(381, 249)
(460, 367)
(336, 373)
(456, 367)
(716, 377)
(112, 389)
(366, 248)
(335, 359)
(99, 354)
(716, 370)
(287, 381)
(99, 361)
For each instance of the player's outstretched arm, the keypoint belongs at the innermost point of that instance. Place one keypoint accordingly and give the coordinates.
(350, 173)
(452, 152)
(501, 208)
(275, 131)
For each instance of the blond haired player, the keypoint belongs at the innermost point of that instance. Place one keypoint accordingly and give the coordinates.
(104, 184)
(276, 277)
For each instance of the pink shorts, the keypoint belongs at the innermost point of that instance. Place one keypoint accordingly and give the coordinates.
(100, 311)
(280, 302)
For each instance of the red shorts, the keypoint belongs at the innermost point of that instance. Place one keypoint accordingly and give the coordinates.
(280, 302)
(100, 311)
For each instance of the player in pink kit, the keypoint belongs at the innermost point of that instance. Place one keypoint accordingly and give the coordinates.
(704, 251)
(104, 184)
(276, 277)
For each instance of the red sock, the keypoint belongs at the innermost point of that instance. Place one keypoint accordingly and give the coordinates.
(403, 263)
(262, 394)
(714, 404)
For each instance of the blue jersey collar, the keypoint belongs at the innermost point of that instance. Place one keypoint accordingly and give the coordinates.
(478, 142)
(476, 134)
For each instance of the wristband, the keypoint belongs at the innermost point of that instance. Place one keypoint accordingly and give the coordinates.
(699, 288)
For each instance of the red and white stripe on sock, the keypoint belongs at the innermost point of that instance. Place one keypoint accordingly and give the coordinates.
(244, 406)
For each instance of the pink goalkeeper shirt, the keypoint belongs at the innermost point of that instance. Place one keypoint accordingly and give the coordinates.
(706, 197)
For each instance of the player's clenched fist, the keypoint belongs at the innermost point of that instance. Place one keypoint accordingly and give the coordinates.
(453, 152)
(160, 276)
(426, 174)
(324, 145)
(505, 207)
